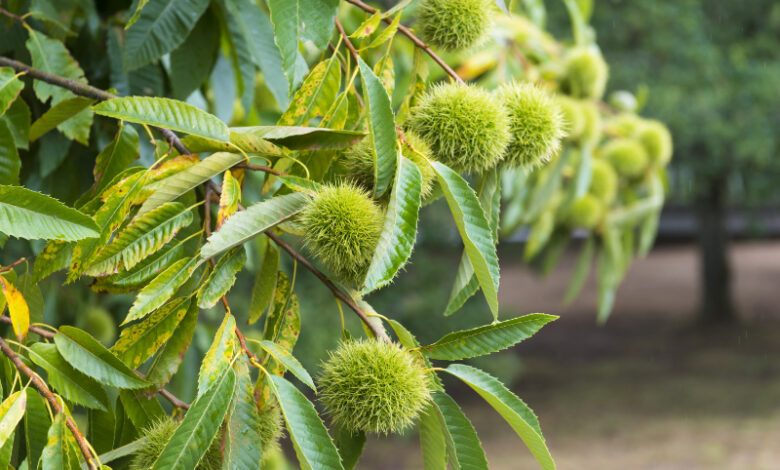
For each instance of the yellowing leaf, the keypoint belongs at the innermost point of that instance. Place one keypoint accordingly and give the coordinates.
(229, 199)
(17, 307)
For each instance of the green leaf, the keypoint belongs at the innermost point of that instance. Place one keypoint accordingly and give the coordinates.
(174, 186)
(474, 230)
(116, 156)
(28, 214)
(219, 355)
(69, 382)
(142, 410)
(140, 341)
(313, 445)
(249, 143)
(315, 96)
(161, 26)
(52, 57)
(137, 13)
(58, 114)
(432, 443)
(36, 425)
(10, 163)
(100, 429)
(283, 323)
(222, 278)
(540, 234)
(60, 452)
(381, 127)
(350, 446)
(161, 288)
(189, 70)
(88, 356)
(171, 356)
(486, 339)
(466, 283)
(165, 112)
(142, 238)
(253, 221)
(581, 271)
(265, 284)
(303, 138)
(11, 412)
(289, 362)
(143, 271)
(400, 227)
(463, 446)
(510, 407)
(10, 87)
(199, 426)
(238, 50)
(243, 431)
(17, 118)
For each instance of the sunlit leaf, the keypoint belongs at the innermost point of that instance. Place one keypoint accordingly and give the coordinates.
(161, 288)
(218, 357)
(18, 309)
(222, 277)
(28, 214)
(70, 383)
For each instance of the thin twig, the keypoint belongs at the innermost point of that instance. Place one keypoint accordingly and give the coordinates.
(82, 89)
(7, 13)
(39, 331)
(253, 167)
(347, 42)
(45, 392)
(417, 41)
(11, 266)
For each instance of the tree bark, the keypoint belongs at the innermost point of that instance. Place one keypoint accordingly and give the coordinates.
(716, 302)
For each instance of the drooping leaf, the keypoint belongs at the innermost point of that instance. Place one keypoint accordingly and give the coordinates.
(141, 272)
(243, 444)
(510, 407)
(159, 27)
(222, 277)
(36, 426)
(474, 231)
(165, 112)
(70, 383)
(142, 410)
(174, 186)
(240, 55)
(28, 214)
(381, 126)
(142, 238)
(88, 356)
(432, 443)
(161, 288)
(10, 163)
(60, 113)
(315, 96)
(400, 227)
(189, 70)
(17, 308)
(265, 284)
(201, 423)
(284, 357)
(11, 412)
(302, 138)
(170, 357)
(350, 446)
(60, 452)
(219, 355)
(250, 223)
(313, 445)
(283, 323)
(463, 445)
(581, 270)
(486, 339)
(17, 118)
(100, 430)
(116, 156)
(10, 87)
(140, 341)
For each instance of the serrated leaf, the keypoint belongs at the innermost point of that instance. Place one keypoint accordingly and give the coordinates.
(165, 112)
(142, 410)
(510, 407)
(219, 355)
(17, 308)
(66, 380)
(54, 257)
(201, 423)
(381, 126)
(432, 443)
(283, 323)
(253, 221)
(315, 96)
(313, 445)
(486, 339)
(60, 113)
(89, 357)
(170, 357)
(10, 87)
(116, 156)
(52, 57)
(188, 71)
(174, 186)
(286, 358)
(302, 138)
(222, 277)
(243, 431)
(303, 185)
(463, 445)
(17, 118)
(60, 452)
(28, 214)
(474, 230)
(11, 412)
(159, 27)
(265, 284)
(400, 227)
(10, 163)
(141, 272)
(142, 238)
(161, 288)
(36, 426)
(140, 341)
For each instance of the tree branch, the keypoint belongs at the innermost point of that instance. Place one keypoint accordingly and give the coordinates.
(11, 266)
(417, 41)
(45, 392)
(82, 89)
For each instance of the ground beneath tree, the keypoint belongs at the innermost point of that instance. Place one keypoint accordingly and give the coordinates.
(647, 391)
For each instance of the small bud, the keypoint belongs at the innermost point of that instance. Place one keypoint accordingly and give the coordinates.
(535, 124)
(592, 128)
(454, 24)
(603, 181)
(466, 127)
(573, 117)
(585, 212)
(624, 124)
(373, 386)
(657, 141)
(586, 74)
(627, 157)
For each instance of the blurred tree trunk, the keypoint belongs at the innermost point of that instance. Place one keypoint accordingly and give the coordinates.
(716, 303)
